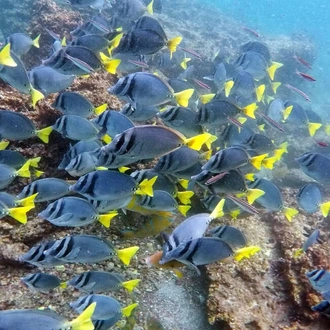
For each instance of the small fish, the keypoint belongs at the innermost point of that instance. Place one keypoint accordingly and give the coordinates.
(87, 249)
(311, 240)
(139, 113)
(202, 84)
(231, 235)
(256, 34)
(74, 212)
(97, 282)
(257, 47)
(45, 319)
(21, 43)
(302, 61)
(42, 282)
(305, 76)
(298, 91)
(218, 77)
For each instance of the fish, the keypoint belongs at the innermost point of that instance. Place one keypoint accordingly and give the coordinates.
(21, 43)
(6, 57)
(231, 235)
(87, 249)
(106, 307)
(254, 33)
(42, 282)
(15, 159)
(298, 91)
(132, 10)
(49, 81)
(275, 110)
(302, 61)
(146, 89)
(218, 77)
(81, 164)
(8, 174)
(140, 113)
(96, 25)
(71, 103)
(316, 166)
(311, 240)
(323, 307)
(12, 201)
(111, 185)
(48, 189)
(305, 76)
(74, 212)
(98, 281)
(17, 213)
(45, 319)
(257, 47)
(319, 279)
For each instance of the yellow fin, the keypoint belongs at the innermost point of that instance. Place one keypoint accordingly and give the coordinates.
(184, 184)
(43, 134)
(173, 44)
(279, 152)
(267, 99)
(130, 285)
(218, 210)
(5, 57)
(115, 41)
(35, 161)
(100, 109)
(83, 321)
(123, 169)
(178, 273)
(235, 214)
(112, 65)
(249, 176)
(106, 138)
(196, 142)
(125, 255)
(298, 253)
(101, 168)
(105, 219)
(184, 196)
(275, 85)
(249, 110)
(325, 207)
(184, 62)
(272, 69)
(4, 145)
(126, 311)
(253, 194)
(145, 187)
(327, 129)
(289, 212)
(35, 42)
(150, 9)
(269, 162)
(24, 171)
(228, 86)
(38, 173)
(260, 92)
(183, 209)
(206, 98)
(36, 96)
(208, 143)
(256, 161)
(287, 112)
(28, 201)
(63, 285)
(246, 252)
(261, 127)
(182, 98)
(63, 42)
(19, 213)
(313, 127)
(242, 120)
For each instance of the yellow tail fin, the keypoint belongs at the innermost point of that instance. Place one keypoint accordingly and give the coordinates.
(83, 321)
(63, 285)
(246, 252)
(325, 207)
(289, 212)
(114, 43)
(105, 219)
(267, 99)
(228, 86)
(35, 161)
(130, 285)
(173, 44)
(112, 65)
(274, 85)
(184, 184)
(4, 145)
(125, 255)
(269, 162)
(196, 142)
(184, 62)
(43, 134)
(150, 9)
(35, 42)
(63, 42)
(28, 201)
(253, 194)
(183, 209)
(5, 57)
(249, 176)
(218, 210)
(249, 110)
(19, 213)
(36, 96)
(145, 187)
(206, 98)
(235, 214)
(260, 92)
(38, 173)
(261, 127)
(313, 127)
(106, 138)
(126, 311)
(242, 120)
(287, 112)
(256, 161)
(279, 152)
(298, 253)
(272, 69)
(184, 196)
(100, 109)
(123, 169)
(182, 98)
(24, 171)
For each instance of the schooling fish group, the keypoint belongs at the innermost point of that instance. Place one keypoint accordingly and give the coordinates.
(216, 145)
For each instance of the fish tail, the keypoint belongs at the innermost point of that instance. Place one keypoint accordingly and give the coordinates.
(35, 41)
(38, 173)
(28, 201)
(114, 43)
(4, 145)
(150, 7)
(250, 176)
(173, 44)
(196, 142)
(123, 169)
(145, 187)
(206, 98)
(184, 196)
(130, 285)
(267, 99)
(257, 161)
(5, 57)
(63, 42)
(177, 273)
(184, 184)
(260, 92)
(106, 138)
(269, 162)
(246, 252)
(290, 212)
(105, 219)
(282, 150)
(228, 86)
(253, 194)
(235, 214)
(35, 161)
(183, 209)
(325, 207)
(63, 285)
(298, 253)
(100, 109)
(261, 127)
(313, 127)
(125, 255)
(218, 210)
(83, 321)
(24, 171)
(43, 134)
(274, 85)
(36, 96)
(184, 62)
(182, 98)
(287, 112)
(19, 213)
(249, 110)
(241, 120)
(126, 311)
(112, 65)
(272, 69)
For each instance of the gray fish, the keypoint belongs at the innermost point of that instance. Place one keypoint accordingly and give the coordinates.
(81, 164)
(309, 198)
(49, 81)
(96, 25)
(187, 173)
(319, 279)
(21, 43)
(14, 159)
(95, 4)
(139, 113)
(12, 201)
(95, 42)
(323, 307)
(130, 9)
(275, 110)
(218, 77)
(257, 47)
(316, 166)
(87, 249)
(42, 282)
(97, 282)
(76, 128)
(296, 116)
(112, 160)
(312, 239)
(259, 143)
(104, 206)
(253, 63)
(48, 189)
(231, 235)
(71, 103)
(233, 135)
(160, 201)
